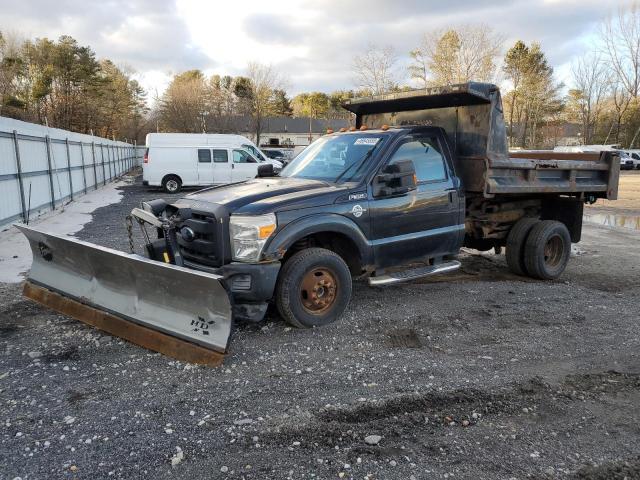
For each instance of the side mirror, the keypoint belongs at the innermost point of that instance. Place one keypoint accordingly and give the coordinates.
(396, 179)
(265, 170)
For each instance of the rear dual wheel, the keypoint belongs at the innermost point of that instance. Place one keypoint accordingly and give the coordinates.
(314, 288)
(539, 249)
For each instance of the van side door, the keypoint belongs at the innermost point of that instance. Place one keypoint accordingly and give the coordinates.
(244, 166)
(205, 167)
(425, 222)
(221, 165)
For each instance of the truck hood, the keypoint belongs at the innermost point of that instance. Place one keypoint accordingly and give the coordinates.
(270, 195)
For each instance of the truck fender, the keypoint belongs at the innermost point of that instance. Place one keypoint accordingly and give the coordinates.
(321, 223)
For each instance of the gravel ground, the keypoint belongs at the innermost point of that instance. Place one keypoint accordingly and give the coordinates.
(479, 374)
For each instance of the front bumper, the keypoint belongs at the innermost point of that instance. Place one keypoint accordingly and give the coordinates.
(251, 285)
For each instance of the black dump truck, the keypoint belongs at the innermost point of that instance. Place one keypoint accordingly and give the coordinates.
(422, 174)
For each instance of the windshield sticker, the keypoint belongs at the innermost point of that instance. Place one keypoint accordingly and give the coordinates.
(366, 141)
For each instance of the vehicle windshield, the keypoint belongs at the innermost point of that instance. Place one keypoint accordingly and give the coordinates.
(335, 158)
(256, 153)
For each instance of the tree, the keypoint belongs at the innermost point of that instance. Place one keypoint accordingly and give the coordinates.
(585, 101)
(263, 80)
(313, 105)
(456, 55)
(336, 99)
(221, 103)
(375, 70)
(280, 104)
(621, 38)
(62, 84)
(183, 105)
(11, 70)
(534, 96)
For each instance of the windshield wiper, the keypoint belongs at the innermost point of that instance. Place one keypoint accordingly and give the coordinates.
(359, 164)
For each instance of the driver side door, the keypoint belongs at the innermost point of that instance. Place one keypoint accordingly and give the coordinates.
(425, 222)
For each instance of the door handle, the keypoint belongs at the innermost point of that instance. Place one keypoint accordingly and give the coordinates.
(451, 191)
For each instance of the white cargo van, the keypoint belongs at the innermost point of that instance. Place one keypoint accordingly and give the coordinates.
(174, 160)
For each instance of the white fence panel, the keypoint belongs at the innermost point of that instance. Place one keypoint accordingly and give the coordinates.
(51, 166)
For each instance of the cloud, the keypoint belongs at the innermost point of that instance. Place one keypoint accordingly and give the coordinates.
(145, 34)
(311, 42)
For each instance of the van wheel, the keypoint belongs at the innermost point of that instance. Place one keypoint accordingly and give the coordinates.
(314, 288)
(171, 184)
(547, 250)
(515, 244)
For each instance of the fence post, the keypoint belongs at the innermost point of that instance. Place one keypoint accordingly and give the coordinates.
(25, 214)
(66, 142)
(108, 164)
(118, 156)
(53, 198)
(112, 162)
(104, 169)
(95, 167)
(84, 175)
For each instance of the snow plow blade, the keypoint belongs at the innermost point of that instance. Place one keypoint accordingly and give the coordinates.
(182, 313)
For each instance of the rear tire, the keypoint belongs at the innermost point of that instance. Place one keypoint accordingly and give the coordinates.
(171, 184)
(314, 288)
(547, 250)
(515, 244)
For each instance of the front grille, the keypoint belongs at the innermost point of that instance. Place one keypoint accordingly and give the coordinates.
(205, 246)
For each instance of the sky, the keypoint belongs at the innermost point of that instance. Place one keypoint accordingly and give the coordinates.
(311, 43)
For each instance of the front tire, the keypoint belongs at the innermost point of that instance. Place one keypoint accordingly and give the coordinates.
(547, 250)
(314, 288)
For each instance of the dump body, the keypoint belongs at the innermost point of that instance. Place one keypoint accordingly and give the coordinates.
(472, 117)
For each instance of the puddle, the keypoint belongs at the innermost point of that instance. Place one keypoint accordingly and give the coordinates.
(612, 220)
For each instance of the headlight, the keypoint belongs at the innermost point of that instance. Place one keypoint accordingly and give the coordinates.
(249, 234)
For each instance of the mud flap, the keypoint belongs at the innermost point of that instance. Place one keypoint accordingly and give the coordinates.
(170, 309)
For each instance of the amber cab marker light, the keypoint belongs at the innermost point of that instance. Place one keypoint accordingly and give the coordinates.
(352, 129)
(342, 130)
(384, 128)
(363, 128)
(329, 131)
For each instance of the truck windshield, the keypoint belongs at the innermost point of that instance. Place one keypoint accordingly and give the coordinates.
(333, 158)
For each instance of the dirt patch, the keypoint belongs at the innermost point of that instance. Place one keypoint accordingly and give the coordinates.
(68, 354)
(404, 338)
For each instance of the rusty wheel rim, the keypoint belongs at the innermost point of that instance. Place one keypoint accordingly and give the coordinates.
(553, 251)
(318, 290)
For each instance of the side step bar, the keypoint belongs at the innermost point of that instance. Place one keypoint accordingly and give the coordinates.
(414, 273)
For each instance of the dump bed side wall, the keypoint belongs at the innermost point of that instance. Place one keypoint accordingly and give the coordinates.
(598, 178)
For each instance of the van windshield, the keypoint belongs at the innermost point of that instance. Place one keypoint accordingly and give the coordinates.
(335, 158)
(256, 153)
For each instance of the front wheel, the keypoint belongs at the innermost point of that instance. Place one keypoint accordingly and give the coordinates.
(314, 288)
